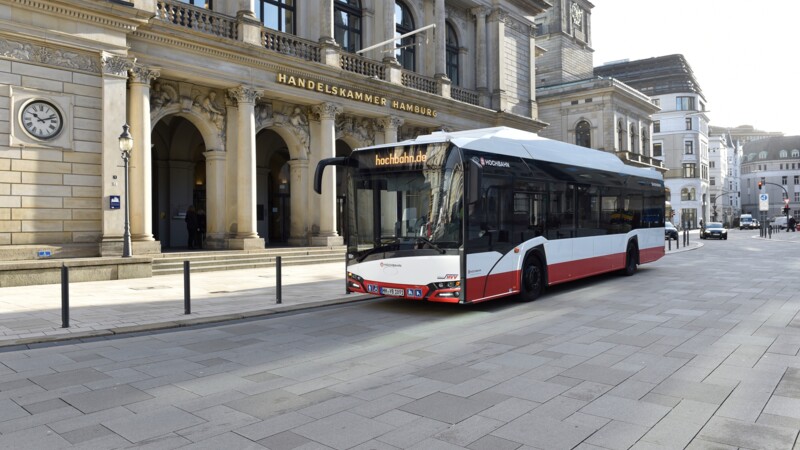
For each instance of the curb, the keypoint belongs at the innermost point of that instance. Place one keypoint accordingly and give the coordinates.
(43, 341)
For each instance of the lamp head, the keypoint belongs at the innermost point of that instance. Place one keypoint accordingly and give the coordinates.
(125, 139)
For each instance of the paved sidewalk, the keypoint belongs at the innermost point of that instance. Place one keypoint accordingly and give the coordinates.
(33, 314)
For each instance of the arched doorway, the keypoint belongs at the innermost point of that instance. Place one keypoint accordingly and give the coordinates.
(273, 188)
(179, 178)
(342, 149)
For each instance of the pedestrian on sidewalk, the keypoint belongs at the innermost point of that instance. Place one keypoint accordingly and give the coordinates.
(201, 228)
(792, 224)
(192, 226)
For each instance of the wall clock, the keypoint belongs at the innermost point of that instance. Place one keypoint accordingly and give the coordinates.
(41, 119)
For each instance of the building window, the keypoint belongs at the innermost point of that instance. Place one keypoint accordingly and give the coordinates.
(583, 134)
(657, 150)
(656, 126)
(784, 154)
(688, 148)
(795, 153)
(797, 196)
(784, 180)
(277, 14)
(712, 181)
(688, 123)
(684, 103)
(451, 48)
(657, 101)
(404, 23)
(712, 164)
(689, 170)
(762, 155)
(634, 139)
(797, 179)
(201, 3)
(347, 24)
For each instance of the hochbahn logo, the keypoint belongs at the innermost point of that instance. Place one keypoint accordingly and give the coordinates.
(494, 163)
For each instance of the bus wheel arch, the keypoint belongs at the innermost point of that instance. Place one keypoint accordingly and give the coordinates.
(533, 278)
(631, 257)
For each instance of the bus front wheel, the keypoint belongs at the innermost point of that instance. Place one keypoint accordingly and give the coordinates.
(532, 279)
(631, 259)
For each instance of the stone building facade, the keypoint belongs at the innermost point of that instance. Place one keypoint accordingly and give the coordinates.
(774, 161)
(581, 108)
(231, 104)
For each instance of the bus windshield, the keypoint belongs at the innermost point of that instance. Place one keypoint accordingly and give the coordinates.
(405, 200)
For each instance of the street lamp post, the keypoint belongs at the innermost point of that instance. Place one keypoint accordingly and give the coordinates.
(125, 146)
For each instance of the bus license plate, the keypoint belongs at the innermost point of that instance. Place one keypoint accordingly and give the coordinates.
(392, 291)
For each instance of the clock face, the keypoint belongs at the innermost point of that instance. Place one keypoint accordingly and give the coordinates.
(577, 14)
(41, 119)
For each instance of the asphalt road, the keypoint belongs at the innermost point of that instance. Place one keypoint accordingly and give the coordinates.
(697, 350)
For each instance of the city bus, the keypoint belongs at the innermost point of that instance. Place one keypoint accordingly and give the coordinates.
(470, 216)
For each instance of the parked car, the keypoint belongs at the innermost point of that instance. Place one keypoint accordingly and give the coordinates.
(714, 230)
(670, 232)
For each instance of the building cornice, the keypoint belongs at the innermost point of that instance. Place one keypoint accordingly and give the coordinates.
(82, 11)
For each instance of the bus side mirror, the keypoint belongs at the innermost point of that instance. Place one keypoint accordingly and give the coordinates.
(338, 161)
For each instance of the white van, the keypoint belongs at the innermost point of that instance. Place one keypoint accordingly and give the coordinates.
(746, 222)
(780, 222)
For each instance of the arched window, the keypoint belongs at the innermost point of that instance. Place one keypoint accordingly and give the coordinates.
(404, 23)
(620, 136)
(277, 14)
(762, 155)
(795, 153)
(634, 139)
(692, 194)
(583, 134)
(452, 54)
(784, 153)
(684, 194)
(347, 24)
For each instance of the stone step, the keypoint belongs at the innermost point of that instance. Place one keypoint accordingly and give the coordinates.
(215, 261)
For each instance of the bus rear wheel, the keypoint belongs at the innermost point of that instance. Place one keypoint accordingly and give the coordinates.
(532, 279)
(631, 259)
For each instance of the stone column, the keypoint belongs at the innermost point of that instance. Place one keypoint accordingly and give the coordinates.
(480, 54)
(330, 48)
(325, 113)
(215, 198)
(390, 125)
(299, 184)
(141, 166)
(115, 75)
(441, 40)
(246, 235)
(389, 22)
(497, 62)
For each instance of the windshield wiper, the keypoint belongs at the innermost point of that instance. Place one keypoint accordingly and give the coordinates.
(385, 243)
(429, 242)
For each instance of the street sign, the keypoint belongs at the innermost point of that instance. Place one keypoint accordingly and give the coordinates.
(763, 202)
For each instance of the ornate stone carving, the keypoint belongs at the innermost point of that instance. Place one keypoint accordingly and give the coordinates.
(389, 122)
(358, 128)
(143, 74)
(23, 51)
(326, 110)
(498, 15)
(406, 133)
(161, 95)
(115, 65)
(209, 106)
(244, 94)
(263, 113)
(295, 119)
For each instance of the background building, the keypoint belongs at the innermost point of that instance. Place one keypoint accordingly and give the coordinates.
(724, 160)
(680, 129)
(231, 104)
(774, 161)
(580, 107)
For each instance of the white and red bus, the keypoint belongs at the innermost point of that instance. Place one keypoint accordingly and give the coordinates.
(475, 215)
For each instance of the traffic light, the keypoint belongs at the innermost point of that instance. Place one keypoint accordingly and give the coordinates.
(759, 185)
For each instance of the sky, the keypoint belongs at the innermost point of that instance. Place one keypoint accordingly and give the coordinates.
(744, 54)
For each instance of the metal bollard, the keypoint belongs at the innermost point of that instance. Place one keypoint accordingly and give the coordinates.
(669, 244)
(187, 304)
(64, 296)
(278, 280)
